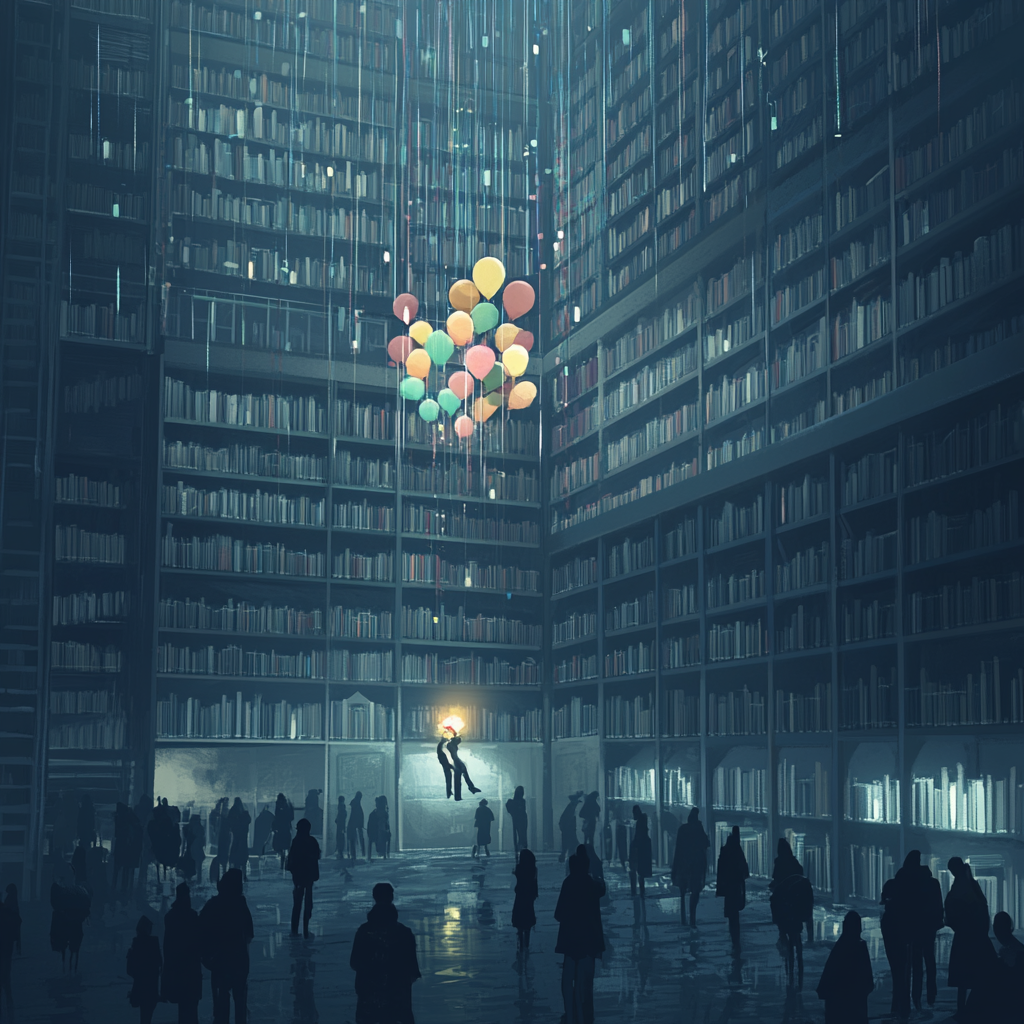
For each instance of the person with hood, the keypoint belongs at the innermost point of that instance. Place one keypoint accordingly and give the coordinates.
(355, 826)
(164, 838)
(792, 905)
(567, 826)
(194, 835)
(304, 866)
(589, 813)
(96, 871)
(516, 807)
(846, 982)
(971, 956)
(182, 978)
(143, 964)
(921, 898)
(384, 959)
(640, 853)
(896, 942)
(443, 759)
(284, 815)
(524, 917)
(226, 930)
(313, 812)
(690, 864)
(239, 820)
(731, 884)
(10, 940)
(459, 769)
(482, 823)
(262, 828)
(580, 939)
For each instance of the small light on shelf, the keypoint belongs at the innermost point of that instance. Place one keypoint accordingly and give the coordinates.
(561, 234)
(387, 256)
(252, 270)
(330, 171)
(576, 314)
(536, 49)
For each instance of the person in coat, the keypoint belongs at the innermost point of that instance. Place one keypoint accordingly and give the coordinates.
(690, 864)
(1009, 988)
(10, 940)
(384, 959)
(896, 941)
(846, 982)
(339, 829)
(195, 835)
(164, 838)
(792, 905)
(640, 856)
(127, 847)
(372, 829)
(284, 815)
(220, 826)
(482, 823)
(580, 939)
(524, 917)
(226, 930)
(731, 883)
(459, 769)
(304, 866)
(262, 829)
(516, 807)
(567, 827)
(355, 826)
(971, 954)
(313, 812)
(444, 761)
(71, 905)
(920, 897)
(589, 813)
(383, 827)
(182, 978)
(239, 820)
(143, 964)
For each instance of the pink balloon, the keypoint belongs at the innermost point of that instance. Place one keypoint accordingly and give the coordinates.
(464, 426)
(518, 298)
(479, 360)
(525, 338)
(462, 384)
(405, 307)
(399, 347)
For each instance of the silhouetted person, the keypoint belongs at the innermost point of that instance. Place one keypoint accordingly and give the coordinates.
(445, 763)
(896, 940)
(792, 904)
(567, 827)
(459, 768)
(1010, 974)
(482, 823)
(690, 864)
(383, 827)
(971, 954)
(220, 826)
(355, 826)
(785, 865)
(143, 967)
(304, 866)
(262, 828)
(516, 807)
(10, 940)
(384, 959)
(921, 896)
(524, 916)
(238, 822)
(80, 865)
(587, 852)
(71, 906)
(622, 842)
(284, 815)
(194, 835)
(640, 858)
(846, 982)
(127, 847)
(589, 813)
(371, 830)
(339, 828)
(226, 927)
(86, 821)
(313, 812)
(731, 884)
(182, 978)
(164, 838)
(580, 939)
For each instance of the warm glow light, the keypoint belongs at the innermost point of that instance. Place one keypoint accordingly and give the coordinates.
(454, 723)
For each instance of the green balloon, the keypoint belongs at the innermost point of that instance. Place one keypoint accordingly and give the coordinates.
(495, 378)
(449, 401)
(412, 388)
(439, 347)
(428, 410)
(485, 316)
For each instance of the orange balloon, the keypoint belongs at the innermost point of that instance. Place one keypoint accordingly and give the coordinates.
(417, 363)
(522, 395)
(464, 295)
(420, 331)
(504, 336)
(460, 327)
(483, 410)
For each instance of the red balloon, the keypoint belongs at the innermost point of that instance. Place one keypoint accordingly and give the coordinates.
(479, 360)
(518, 298)
(462, 384)
(525, 338)
(405, 307)
(399, 347)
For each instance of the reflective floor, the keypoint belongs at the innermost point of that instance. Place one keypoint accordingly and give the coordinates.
(459, 910)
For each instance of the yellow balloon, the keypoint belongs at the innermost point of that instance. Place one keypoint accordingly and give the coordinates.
(417, 363)
(515, 359)
(488, 275)
(463, 295)
(522, 395)
(460, 327)
(483, 411)
(504, 336)
(420, 331)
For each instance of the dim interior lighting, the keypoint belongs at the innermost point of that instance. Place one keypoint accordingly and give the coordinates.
(435, 620)
(252, 270)
(576, 314)
(387, 256)
(452, 722)
(543, 266)
(293, 277)
(491, 494)
(468, 581)
(257, 16)
(533, 143)
(536, 49)
(554, 245)
(561, 234)
(330, 171)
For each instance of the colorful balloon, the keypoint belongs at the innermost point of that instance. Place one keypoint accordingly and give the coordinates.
(525, 338)
(449, 401)
(495, 378)
(405, 307)
(488, 275)
(428, 410)
(399, 347)
(439, 347)
(460, 328)
(505, 335)
(518, 298)
(417, 363)
(485, 316)
(483, 411)
(412, 388)
(479, 360)
(420, 331)
(515, 360)
(495, 398)
(461, 384)
(464, 295)
(522, 395)
(464, 426)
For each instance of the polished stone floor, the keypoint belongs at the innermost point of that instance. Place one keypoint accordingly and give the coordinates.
(459, 909)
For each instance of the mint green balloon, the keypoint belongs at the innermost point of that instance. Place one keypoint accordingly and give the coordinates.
(449, 401)
(485, 316)
(439, 347)
(412, 388)
(428, 410)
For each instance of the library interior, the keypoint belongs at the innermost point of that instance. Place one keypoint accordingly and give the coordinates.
(615, 409)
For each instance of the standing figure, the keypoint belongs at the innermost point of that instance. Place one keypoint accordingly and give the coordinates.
(182, 979)
(96, 871)
(785, 865)
(1009, 995)
(384, 959)
(284, 815)
(10, 939)
(846, 982)
(339, 828)
(71, 906)
(690, 864)
(640, 857)
(516, 807)
(923, 896)
(143, 967)
(459, 768)
(371, 830)
(896, 940)
(383, 827)
(524, 917)
(792, 905)
(226, 928)
(239, 820)
(732, 883)
(580, 939)
(304, 865)
(195, 835)
(971, 956)
(127, 847)
(262, 828)
(86, 821)
(482, 823)
(589, 813)
(443, 760)
(355, 826)
(313, 812)
(567, 827)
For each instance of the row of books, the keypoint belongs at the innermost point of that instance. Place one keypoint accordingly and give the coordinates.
(191, 718)
(432, 522)
(737, 640)
(938, 534)
(221, 553)
(574, 719)
(638, 612)
(81, 490)
(240, 617)
(577, 626)
(802, 793)
(434, 569)
(74, 544)
(256, 507)
(469, 671)
(807, 568)
(955, 802)
(90, 606)
(799, 712)
(876, 800)
(630, 556)
(740, 789)
(953, 605)
(437, 624)
(247, 460)
(287, 413)
(992, 699)
(234, 661)
(109, 733)
(527, 726)
(723, 591)
(72, 656)
(680, 788)
(629, 717)
(815, 858)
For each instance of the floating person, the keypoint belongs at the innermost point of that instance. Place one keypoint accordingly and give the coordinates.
(304, 866)
(733, 873)
(143, 962)
(226, 928)
(971, 955)
(580, 939)
(355, 826)
(182, 976)
(589, 813)
(567, 826)
(524, 917)
(284, 815)
(10, 940)
(482, 823)
(516, 807)
(459, 767)
(846, 982)
(384, 959)
(690, 864)
(442, 758)
(640, 854)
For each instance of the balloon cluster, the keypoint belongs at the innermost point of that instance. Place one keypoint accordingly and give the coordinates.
(496, 370)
